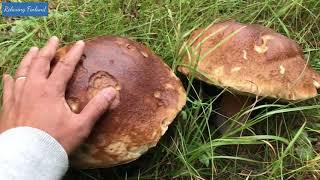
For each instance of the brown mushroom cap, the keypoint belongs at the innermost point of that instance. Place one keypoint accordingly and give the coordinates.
(250, 59)
(149, 98)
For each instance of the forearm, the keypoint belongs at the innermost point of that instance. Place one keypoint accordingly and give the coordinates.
(28, 153)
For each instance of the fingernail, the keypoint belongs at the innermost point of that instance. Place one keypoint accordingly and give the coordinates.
(81, 42)
(109, 93)
(5, 76)
(33, 49)
(54, 38)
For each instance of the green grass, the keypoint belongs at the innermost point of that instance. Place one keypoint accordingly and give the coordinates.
(279, 141)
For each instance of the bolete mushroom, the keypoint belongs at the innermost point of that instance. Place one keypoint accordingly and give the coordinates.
(149, 98)
(251, 60)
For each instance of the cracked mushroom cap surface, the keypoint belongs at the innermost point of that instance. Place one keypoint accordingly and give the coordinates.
(250, 59)
(149, 98)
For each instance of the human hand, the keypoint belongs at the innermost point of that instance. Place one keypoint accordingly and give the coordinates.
(36, 98)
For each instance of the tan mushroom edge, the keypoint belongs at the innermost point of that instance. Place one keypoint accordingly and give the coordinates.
(123, 151)
(255, 61)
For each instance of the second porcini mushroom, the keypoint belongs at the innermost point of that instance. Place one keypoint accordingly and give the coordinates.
(249, 60)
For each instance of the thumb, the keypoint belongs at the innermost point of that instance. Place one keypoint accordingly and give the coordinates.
(98, 105)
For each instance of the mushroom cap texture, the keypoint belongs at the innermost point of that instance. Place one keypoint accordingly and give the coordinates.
(249, 59)
(149, 98)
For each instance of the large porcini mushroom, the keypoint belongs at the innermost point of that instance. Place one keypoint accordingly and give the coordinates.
(251, 60)
(149, 98)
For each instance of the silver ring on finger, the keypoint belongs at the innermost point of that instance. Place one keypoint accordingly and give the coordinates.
(21, 78)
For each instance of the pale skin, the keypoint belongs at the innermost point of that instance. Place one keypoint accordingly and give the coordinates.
(34, 97)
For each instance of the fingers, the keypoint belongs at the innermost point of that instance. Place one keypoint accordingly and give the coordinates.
(8, 90)
(24, 66)
(41, 64)
(64, 68)
(97, 106)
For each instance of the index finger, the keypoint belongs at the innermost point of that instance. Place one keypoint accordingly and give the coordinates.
(65, 67)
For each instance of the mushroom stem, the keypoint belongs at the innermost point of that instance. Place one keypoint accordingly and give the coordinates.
(230, 106)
